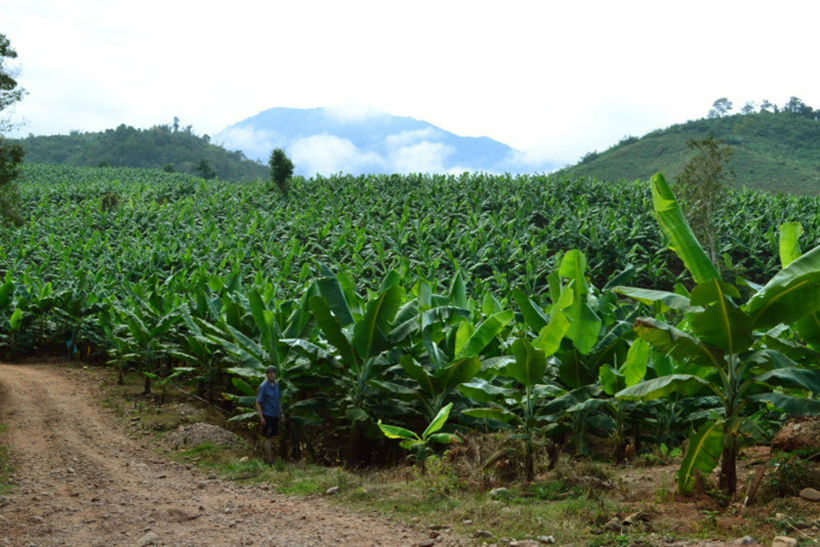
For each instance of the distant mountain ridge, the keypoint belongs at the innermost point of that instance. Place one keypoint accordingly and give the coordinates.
(332, 140)
(773, 151)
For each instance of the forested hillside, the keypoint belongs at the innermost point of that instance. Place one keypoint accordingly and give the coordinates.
(777, 150)
(162, 147)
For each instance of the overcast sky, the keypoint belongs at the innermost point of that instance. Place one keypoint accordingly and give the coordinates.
(554, 80)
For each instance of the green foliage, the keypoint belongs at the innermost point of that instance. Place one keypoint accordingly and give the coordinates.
(393, 297)
(281, 169)
(725, 338)
(420, 445)
(772, 151)
(11, 157)
(703, 183)
(159, 147)
(9, 92)
(204, 169)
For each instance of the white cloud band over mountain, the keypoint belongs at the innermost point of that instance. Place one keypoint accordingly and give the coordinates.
(361, 140)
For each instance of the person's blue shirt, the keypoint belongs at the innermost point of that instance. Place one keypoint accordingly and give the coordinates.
(269, 397)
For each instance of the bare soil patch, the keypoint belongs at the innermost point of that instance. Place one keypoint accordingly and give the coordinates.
(80, 480)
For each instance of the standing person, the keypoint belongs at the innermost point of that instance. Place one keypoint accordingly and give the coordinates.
(269, 408)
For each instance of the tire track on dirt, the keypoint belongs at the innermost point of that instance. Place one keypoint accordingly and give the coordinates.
(80, 480)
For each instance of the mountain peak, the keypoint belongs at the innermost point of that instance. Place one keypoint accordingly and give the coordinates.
(366, 140)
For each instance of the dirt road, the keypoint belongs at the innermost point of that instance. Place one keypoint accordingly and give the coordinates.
(80, 480)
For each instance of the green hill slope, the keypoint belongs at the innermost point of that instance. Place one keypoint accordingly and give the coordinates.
(158, 147)
(777, 152)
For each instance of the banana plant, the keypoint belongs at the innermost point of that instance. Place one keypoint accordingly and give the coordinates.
(11, 320)
(514, 406)
(361, 334)
(420, 445)
(613, 380)
(248, 330)
(727, 338)
(145, 329)
(164, 381)
(449, 350)
(77, 309)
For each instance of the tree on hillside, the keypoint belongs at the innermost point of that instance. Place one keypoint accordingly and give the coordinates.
(281, 169)
(797, 106)
(766, 106)
(720, 107)
(204, 169)
(748, 108)
(11, 155)
(703, 181)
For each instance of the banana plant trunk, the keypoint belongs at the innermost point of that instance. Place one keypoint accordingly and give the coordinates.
(728, 461)
(353, 444)
(529, 459)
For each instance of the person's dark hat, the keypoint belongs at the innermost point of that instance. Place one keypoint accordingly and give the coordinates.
(270, 369)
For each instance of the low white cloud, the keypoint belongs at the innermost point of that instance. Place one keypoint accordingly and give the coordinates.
(327, 154)
(256, 144)
(406, 138)
(423, 157)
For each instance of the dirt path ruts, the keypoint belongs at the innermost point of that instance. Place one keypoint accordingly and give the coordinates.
(81, 481)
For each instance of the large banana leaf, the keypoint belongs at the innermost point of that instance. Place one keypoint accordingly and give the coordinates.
(799, 378)
(415, 371)
(796, 406)
(533, 316)
(331, 290)
(332, 330)
(16, 319)
(790, 295)
(396, 432)
(370, 334)
(438, 422)
(550, 336)
(809, 328)
(585, 325)
(668, 340)
(529, 365)
(657, 388)
(491, 413)
(611, 382)
(263, 318)
(485, 333)
(667, 300)
(482, 391)
(458, 291)
(681, 238)
(299, 319)
(573, 371)
(457, 372)
(252, 348)
(723, 325)
(6, 292)
(637, 358)
(559, 405)
(711, 291)
(789, 247)
(702, 455)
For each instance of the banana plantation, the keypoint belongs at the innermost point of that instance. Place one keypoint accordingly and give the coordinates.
(427, 307)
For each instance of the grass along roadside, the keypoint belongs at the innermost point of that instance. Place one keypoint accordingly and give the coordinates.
(432, 499)
(581, 502)
(6, 468)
